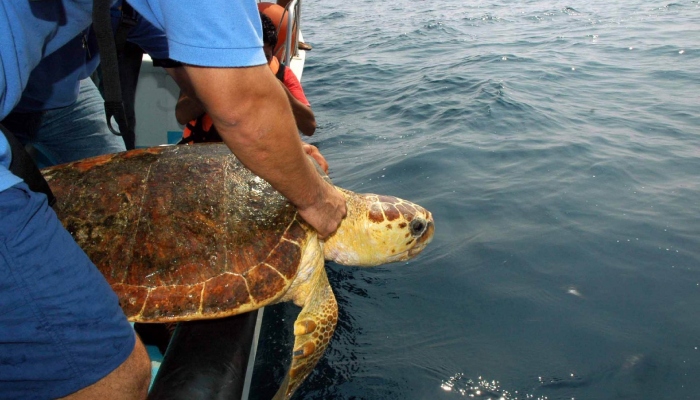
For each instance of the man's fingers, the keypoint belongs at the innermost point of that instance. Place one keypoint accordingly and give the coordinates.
(312, 151)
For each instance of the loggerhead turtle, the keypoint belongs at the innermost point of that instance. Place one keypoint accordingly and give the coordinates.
(187, 232)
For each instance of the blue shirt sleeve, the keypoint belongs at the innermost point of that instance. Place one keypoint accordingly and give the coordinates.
(213, 33)
(144, 34)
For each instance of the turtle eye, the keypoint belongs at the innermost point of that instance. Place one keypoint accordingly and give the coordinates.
(417, 227)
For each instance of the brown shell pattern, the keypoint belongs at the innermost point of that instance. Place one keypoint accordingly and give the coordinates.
(180, 232)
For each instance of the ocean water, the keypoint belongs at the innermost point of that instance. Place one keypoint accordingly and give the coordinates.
(557, 144)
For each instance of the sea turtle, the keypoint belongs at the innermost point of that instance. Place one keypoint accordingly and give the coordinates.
(187, 232)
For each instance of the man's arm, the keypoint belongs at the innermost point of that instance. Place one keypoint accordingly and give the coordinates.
(312, 151)
(303, 115)
(252, 114)
(306, 120)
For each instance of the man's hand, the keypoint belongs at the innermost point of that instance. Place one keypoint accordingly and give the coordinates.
(326, 214)
(330, 209)
(312, 151)
(304, 116)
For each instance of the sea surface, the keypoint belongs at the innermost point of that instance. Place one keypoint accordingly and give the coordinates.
(557, 144)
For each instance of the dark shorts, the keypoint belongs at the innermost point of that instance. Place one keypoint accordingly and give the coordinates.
(61, 327)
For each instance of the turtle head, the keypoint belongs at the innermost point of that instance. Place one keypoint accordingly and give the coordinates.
(378, 230)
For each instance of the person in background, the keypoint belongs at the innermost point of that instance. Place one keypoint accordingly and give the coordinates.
(301, 45)
(198, 125)
(62, 332)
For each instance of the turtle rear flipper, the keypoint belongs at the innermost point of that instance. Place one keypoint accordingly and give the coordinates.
(313, 330)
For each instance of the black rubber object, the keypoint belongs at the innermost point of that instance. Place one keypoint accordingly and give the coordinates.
(206, 360)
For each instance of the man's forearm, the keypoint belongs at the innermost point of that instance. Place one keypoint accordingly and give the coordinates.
(254, 118)
(304, 116)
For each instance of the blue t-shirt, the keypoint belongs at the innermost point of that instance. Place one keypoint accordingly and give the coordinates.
(7, 178)
(55, 82)
(229, 36)
(151, 39)
(31, 30)
(213, 33)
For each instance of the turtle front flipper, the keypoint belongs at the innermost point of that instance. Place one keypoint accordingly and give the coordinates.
(313, 330)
